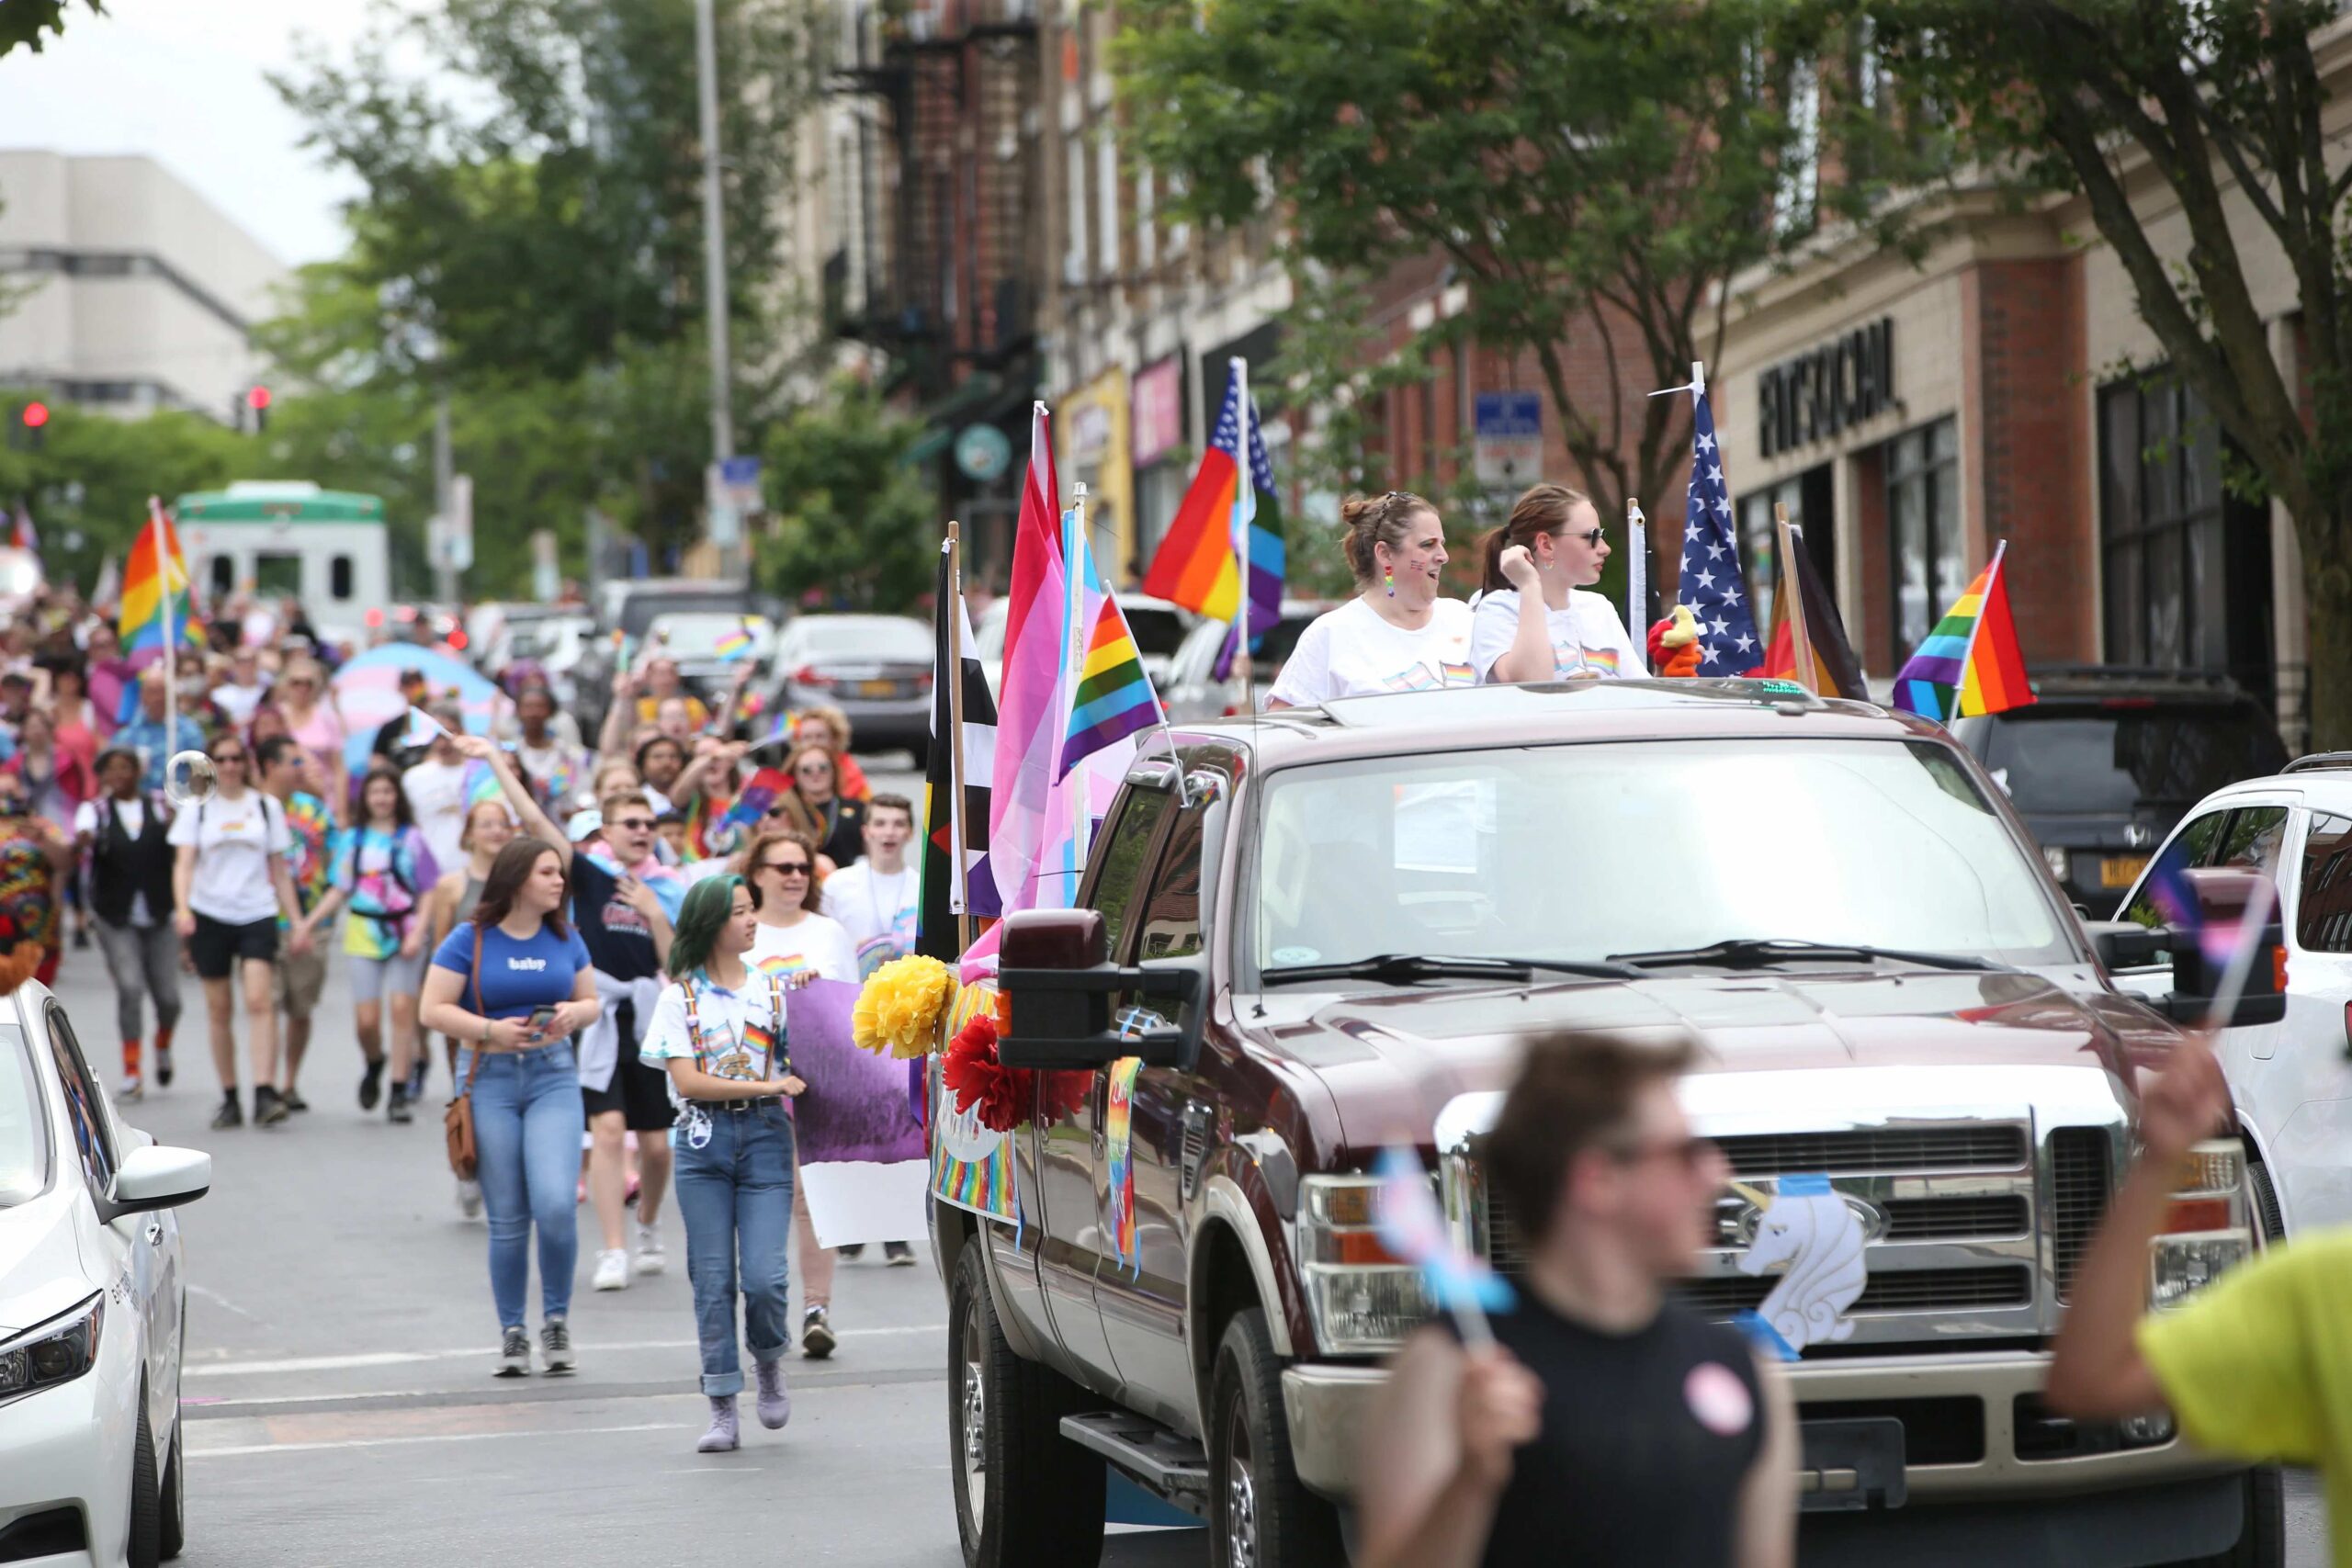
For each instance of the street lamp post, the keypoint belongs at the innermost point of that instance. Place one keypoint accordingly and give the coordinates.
(714, 224)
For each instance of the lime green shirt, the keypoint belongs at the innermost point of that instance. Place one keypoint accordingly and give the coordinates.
(2259, 1367)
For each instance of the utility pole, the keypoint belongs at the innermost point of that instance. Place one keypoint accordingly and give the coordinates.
(445, 484)
(714, 229)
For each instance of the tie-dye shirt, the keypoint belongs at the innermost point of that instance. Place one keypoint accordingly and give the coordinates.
(385, 876)
(306, 858)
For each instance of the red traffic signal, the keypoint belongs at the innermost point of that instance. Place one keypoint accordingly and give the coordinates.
(35, 416)
(258, 399)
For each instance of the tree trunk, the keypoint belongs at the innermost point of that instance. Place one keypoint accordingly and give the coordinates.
(2327, 577)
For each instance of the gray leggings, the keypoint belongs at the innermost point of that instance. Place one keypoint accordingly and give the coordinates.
(141, 957)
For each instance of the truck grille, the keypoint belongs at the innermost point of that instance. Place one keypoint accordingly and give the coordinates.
(1940, 1290)
(2080, 1170)
(1947, 1219)
(1978, 1145)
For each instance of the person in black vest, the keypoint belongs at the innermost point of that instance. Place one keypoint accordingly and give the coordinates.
(120, 834)
(1608, 1425)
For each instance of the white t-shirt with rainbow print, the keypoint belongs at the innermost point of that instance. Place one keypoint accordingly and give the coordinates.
(1588, 638)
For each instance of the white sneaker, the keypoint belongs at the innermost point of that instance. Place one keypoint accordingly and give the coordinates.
(134, 1090)
(612, 1271)
(469, 1198)
(650, 1260)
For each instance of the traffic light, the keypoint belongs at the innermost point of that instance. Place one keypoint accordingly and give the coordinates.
(27, 430)
(258, 399)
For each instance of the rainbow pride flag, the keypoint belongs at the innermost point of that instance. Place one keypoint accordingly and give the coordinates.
(1970, 664)
(1198, 564)
(156, 569)
(1114, 696)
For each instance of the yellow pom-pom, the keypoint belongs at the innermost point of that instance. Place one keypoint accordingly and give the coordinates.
(899, 1009)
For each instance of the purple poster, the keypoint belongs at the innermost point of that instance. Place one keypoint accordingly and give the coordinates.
(855, 1107)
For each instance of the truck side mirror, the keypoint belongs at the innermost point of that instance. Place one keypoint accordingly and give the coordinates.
(2195, 979)
(1053, 965)
(2127, 944)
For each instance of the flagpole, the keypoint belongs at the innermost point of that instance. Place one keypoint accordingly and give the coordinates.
(958, 886)
(1637, 572)
(1800, 646)
(1074, 551)
(1991, 580)
(1242, 483)
(170, 661)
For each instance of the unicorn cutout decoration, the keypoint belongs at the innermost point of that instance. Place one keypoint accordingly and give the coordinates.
(1809, 1227)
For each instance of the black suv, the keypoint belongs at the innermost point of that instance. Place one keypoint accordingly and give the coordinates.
(2107, 760)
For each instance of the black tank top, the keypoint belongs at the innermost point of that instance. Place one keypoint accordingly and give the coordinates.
(1647, 1439)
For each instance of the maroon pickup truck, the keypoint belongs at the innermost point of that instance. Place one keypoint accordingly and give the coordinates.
(1302, 939)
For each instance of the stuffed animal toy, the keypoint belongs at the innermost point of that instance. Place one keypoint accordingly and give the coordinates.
(1674, 644)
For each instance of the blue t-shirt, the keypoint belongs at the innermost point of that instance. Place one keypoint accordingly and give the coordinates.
(517, 976)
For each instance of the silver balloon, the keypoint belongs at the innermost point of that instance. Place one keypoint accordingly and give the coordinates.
(190, 779)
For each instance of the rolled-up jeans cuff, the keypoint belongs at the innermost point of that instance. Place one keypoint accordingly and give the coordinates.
(767, 1357)
(720, 1385)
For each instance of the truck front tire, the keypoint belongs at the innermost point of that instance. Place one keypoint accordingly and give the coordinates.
(2262, 1540)
(1026, 1496)
(1261, 1514)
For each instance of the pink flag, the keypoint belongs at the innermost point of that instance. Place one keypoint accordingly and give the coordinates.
(1029, 706)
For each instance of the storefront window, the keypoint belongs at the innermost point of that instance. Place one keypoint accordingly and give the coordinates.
(2160, 527)
(1811, 500)
(1924, 546)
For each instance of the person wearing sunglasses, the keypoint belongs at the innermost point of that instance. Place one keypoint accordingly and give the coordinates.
(311, 718)
(1399, 632)
(230, 885)
(1535, 618)
(799, 945)
(720, 1031)
(627, 930)
(1601, 1400)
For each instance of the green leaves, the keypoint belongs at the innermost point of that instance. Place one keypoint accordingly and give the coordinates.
(24, 23)
(851, 517)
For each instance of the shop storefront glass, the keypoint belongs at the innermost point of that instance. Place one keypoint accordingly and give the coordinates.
(1926, 548)
(1811, 498)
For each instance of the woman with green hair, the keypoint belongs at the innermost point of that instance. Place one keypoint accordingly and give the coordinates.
(719, 1030)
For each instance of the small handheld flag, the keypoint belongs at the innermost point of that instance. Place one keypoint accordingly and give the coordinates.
(751, 802)
(1411, 1227)
(734, 645)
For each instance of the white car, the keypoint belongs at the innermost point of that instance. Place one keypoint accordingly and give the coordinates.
(92, 1298)
(2291, 1080)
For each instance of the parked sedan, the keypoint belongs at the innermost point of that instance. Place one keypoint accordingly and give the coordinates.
(875, 668)
(694, 638)
(2104, 762)
(92, 1299)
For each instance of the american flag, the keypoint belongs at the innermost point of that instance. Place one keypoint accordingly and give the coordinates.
(1711, 583)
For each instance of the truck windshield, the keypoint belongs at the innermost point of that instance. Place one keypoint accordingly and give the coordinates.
(1575, 852)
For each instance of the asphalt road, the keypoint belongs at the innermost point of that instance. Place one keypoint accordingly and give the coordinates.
(340, 1409)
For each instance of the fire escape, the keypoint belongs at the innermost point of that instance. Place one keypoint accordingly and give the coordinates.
(950, 247)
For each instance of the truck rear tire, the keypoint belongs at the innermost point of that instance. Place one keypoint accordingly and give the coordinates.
(1025, 1494)
(2262, 1540)
(1261, 1514)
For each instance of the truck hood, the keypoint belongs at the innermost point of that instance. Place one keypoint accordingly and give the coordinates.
(1393, 1059)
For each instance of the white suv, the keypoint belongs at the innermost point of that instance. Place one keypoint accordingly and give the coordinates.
(2292, 1079)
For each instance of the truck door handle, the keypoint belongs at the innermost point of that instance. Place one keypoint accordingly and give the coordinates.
(154, 1231)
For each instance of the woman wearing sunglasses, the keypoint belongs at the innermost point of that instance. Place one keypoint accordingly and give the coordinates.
(1536, 619)
(1399, 634)
(230, 882)
(720, 1031)
(311, 718)
(516, 984)
(797, 943)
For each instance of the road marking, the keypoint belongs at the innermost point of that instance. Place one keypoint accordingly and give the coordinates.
(219, 1300)
(244, 1449)
(409, 1358)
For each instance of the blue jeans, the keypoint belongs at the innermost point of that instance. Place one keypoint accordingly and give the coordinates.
(736, 1195)
(526, 1135)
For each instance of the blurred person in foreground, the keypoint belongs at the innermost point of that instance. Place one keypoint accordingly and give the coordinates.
(2256, 1367)
(1605, 1415)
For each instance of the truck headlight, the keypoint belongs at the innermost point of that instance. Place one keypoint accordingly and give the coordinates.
(57, 1351)
(2206, 1230)
(1365, 1301)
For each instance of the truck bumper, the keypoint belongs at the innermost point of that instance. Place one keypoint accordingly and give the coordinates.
(1966, 1441)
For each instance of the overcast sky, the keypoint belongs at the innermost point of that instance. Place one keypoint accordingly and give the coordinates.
(181, 80)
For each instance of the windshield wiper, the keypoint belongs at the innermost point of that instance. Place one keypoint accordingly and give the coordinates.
(1401, 967)
(1759, 952)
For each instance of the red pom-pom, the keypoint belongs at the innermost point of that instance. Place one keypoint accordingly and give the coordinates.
(971, 1072)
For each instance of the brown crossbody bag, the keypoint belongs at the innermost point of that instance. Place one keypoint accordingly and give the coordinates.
(458, 1122)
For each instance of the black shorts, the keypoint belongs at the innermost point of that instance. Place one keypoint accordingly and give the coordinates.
(216, 945)
(641, 1094)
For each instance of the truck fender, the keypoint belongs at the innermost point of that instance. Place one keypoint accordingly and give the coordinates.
(1225, 1205)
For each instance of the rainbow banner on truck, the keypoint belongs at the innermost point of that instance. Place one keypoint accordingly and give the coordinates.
(971, 1165)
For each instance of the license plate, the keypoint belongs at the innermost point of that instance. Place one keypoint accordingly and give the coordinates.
(1852, 1466)
(2120, 870)
(877, 688)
